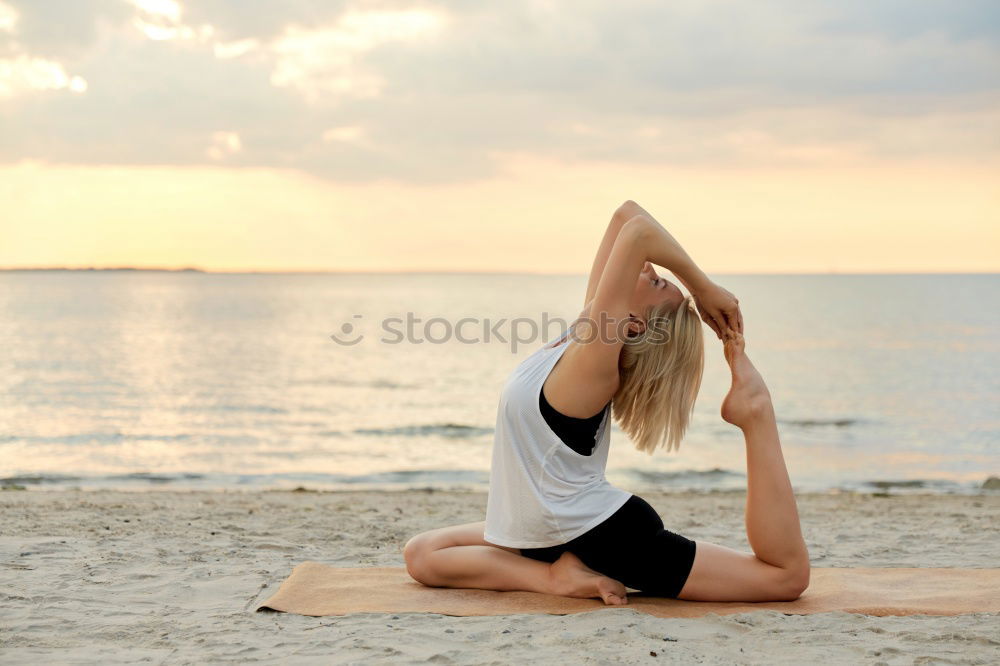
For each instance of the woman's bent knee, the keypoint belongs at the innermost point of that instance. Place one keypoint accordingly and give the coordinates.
(796, 582)
(413, 553)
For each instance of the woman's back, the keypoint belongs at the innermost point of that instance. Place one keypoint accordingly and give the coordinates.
(542, 492)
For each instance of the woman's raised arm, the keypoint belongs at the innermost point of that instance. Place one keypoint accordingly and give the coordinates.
(717, 307)
(643, 239)
(622, 214)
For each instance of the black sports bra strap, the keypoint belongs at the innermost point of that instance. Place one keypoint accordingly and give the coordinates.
(578, 434)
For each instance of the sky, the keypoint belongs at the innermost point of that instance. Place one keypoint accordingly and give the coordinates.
(768, 137)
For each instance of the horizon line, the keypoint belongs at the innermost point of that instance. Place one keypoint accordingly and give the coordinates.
(324, 271)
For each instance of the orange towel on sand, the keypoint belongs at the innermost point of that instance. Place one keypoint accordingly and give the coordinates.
(317, 589)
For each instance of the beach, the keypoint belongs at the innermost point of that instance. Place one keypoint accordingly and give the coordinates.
(173, 576)
(282, 282)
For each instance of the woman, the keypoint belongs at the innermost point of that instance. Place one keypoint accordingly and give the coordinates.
(553, 522)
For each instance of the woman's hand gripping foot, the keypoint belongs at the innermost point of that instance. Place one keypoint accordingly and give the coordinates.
(572, 578)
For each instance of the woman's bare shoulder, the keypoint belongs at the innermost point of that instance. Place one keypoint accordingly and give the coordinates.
(573, 387)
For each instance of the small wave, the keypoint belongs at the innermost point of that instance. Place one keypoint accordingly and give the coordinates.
(351, 383)
(810, 423)
(38, 479)
(154, 478)
(109, 480)
(413, 476)
(687, 475)
(454, 430)
(933, 486)
(259, 409)
(94, 438)
(905, 483)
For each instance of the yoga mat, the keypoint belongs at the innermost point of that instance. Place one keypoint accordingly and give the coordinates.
(318, 589)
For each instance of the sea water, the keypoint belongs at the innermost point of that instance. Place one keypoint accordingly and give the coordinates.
(146, 379)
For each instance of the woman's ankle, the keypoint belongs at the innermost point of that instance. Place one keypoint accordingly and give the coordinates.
(761, 414)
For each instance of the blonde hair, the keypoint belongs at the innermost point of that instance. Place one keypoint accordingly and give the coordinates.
(661, 370)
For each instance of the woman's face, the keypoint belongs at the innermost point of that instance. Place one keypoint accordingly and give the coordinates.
(652, 290)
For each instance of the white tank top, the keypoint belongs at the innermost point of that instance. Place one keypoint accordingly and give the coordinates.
(542, 492)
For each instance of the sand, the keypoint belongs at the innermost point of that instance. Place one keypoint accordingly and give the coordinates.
(171, 577)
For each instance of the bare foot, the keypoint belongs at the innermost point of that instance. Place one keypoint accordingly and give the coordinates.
(572, 578)
(748, 397)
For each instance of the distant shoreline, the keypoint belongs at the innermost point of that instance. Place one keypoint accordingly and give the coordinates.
(136, 269)
(90, 269)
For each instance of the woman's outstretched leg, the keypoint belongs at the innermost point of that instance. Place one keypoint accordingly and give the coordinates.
(459, 557)
(779, 568)
(772, 519)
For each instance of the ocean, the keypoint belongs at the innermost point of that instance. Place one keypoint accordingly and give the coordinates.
(152, 380)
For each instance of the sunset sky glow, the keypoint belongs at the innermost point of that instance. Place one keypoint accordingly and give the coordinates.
(779, 136)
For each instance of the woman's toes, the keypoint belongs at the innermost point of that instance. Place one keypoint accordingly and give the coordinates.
(615, 600)
(612, 592)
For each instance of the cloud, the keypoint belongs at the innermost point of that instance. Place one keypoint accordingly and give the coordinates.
(350, 134)
(224, 144)
(236, 48)
(435, 90)
(21, 72)
(25, 73)
(8, 17)
(327, 61)
(315, 61)
(161, 20)
(64, 30)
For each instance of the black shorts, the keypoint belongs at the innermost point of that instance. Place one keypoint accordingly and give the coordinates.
(633, 548)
